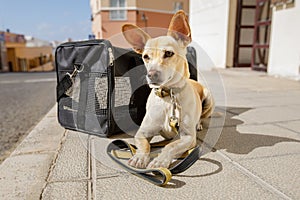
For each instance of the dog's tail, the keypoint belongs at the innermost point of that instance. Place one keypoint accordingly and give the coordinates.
(208, 104)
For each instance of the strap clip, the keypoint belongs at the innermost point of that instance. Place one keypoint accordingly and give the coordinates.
(77, 68)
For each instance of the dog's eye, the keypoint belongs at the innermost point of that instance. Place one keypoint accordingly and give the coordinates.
(146, 57)
(168, 54)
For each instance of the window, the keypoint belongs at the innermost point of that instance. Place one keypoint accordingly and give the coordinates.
(178, 6)
(118, 11)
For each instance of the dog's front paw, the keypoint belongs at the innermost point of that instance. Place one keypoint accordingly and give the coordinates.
(139, 160)
(199, 127)
(160, 161)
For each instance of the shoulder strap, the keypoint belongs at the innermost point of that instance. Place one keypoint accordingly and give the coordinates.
(63, 86)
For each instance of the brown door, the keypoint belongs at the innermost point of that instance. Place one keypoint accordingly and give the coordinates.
(261, 36)
(252, 34)
(244, 29)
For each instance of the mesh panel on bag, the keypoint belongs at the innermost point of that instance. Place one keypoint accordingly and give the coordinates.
(97, 97)
(98, 94)
(122, 91)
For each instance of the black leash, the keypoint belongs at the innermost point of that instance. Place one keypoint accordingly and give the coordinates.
(157, 176)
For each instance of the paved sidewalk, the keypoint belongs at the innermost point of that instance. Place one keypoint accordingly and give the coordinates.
(257, 155)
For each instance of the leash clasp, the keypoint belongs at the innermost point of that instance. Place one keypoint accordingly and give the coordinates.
(173, 120)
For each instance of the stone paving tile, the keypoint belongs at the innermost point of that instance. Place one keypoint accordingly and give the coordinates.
(208, 178)
(251, 141)
(281, 172)
(269, 130)
(248, 98)
(72, 160)
(104, 164)
(258, 81)
(270, 114)
(277, 98)
(291, 125)
(53, 112)
(45, 136)
(24, 176)
(66, 190)
(221, 119)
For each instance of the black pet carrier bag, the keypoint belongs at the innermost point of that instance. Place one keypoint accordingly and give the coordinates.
(101, 89)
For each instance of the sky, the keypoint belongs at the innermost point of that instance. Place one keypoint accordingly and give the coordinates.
(51, 20)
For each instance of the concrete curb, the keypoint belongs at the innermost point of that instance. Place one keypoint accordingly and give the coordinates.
(24, 173)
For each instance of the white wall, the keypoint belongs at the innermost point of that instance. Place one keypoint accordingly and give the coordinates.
(209, 24)
(284, 56)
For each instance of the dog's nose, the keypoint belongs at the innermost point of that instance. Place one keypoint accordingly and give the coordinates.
(153, 75)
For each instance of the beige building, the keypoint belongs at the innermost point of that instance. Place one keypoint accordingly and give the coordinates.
(16, 56)
(108, 16)
(261, 34)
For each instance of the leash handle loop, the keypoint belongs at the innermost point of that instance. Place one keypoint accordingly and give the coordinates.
(157, 176)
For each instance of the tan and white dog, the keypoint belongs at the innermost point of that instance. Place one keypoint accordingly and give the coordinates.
(186, 100)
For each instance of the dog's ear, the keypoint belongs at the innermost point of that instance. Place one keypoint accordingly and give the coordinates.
(135, 36)
(179, 28)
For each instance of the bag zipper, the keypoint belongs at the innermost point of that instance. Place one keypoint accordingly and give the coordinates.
(111, 57)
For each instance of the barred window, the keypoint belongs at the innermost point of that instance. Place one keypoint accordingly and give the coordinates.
(178, 6)
(118, 11)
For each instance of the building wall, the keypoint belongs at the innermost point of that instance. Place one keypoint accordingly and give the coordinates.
(26, 58)
(3, 57)
(33, 52)
(34, 56)
(144, 13)
(154, 19)
(209, 24)
(97, 26)
(11, 43)
(11, 59)
(110, 28)
(102, 25)
(284, 56)
(96, 18)
(106, 3)
(157, 6)
(20, 57)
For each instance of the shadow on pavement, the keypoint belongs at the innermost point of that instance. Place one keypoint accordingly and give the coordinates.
(229, 139)
(235, 142)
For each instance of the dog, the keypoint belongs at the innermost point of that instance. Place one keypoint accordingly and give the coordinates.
(176, 103)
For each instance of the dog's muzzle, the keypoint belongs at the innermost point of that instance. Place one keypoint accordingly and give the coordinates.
(153, 77)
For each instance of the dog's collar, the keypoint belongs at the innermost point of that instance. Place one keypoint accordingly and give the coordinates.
(162, 92)
(165, 92)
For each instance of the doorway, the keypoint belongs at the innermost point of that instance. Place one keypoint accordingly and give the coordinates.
(252, 34)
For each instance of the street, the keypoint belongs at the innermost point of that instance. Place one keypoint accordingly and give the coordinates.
(25, 99)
